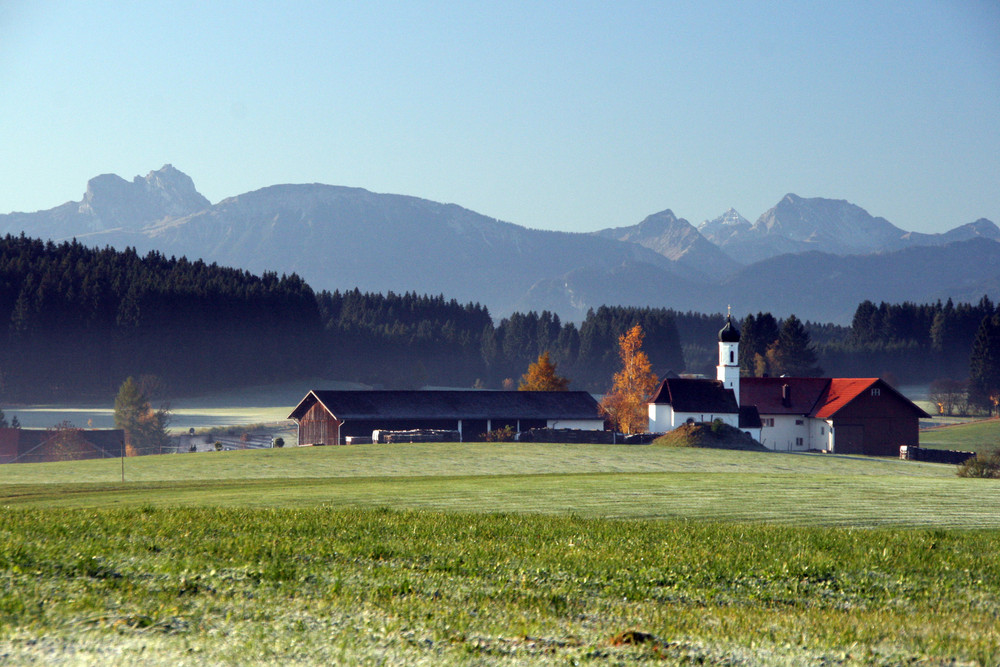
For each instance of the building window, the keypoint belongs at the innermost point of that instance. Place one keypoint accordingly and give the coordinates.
(767, 421)
(822, 430)
(730, 356)
(876, 391)
(798, 442)
(798, 422)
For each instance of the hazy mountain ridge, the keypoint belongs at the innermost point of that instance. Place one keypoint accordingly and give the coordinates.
(338, 237)
(678, 240)
(835, 226)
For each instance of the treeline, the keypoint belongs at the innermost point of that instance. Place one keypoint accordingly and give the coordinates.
(409, 341)
(917, 343)
(80, 320)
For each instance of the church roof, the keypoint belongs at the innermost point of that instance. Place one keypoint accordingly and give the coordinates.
(729, 333)
(693, 395)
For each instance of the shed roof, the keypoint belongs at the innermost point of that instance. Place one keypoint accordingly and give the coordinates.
(695, 395)
(442, 404)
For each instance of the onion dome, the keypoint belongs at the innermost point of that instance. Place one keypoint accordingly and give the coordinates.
(729, 333)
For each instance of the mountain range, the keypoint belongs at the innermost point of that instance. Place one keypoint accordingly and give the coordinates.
(815, 257)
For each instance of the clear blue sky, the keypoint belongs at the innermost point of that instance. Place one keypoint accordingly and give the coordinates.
(554, 115)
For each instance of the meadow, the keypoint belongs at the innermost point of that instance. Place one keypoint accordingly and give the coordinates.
(976, 436)
(498, 554)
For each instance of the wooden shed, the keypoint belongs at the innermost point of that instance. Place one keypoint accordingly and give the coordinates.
(23, 445)
(327, 417)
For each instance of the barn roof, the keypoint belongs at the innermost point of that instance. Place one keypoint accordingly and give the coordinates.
(769, 394)
(440, 404)
(821, 398)
(696, 395)
(841, 391)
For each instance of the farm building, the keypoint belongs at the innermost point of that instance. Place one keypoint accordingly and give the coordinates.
(23, 445)
(328, 417)
(843, 415)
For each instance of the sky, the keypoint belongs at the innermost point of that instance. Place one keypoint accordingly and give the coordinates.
(571, 116)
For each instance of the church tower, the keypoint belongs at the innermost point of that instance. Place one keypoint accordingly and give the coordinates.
(728, 370)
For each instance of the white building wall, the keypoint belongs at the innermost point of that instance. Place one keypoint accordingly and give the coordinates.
(580, 424)
(790, 433)
(822, 434)
(662, 418)
(728, 369)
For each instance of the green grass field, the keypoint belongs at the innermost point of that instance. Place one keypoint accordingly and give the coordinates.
(498, 554)
(977, 436)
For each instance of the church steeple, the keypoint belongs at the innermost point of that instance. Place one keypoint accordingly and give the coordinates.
(728, 370)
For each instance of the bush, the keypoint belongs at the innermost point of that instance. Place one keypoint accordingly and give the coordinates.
(279, 442)
(505, 434)
(218, 446)
(982, 465)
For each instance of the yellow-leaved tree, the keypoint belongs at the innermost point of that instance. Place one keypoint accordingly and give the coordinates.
(541, 376)
(627, 403)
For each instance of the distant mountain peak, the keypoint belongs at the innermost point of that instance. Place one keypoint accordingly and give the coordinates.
(677, 240)
(724, 227)
(110, 201)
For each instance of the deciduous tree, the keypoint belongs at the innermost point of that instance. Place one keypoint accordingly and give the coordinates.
(541, 376)
(145, 428)
(947, 394)
(626, 403)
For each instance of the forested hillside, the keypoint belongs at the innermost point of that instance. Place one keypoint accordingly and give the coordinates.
(79, 321)
(409, 341)
(915, 342)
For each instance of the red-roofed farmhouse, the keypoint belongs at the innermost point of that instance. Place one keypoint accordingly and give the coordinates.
(842, 415)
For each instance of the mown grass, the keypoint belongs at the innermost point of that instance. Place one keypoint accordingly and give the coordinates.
(980, 436)
(498, 554)
(451, 459)
(378, 586)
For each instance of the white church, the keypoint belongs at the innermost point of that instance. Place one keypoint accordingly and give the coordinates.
(843, 415)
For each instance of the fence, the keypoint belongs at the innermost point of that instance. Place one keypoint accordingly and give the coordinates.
(914, 453)
(571, 435)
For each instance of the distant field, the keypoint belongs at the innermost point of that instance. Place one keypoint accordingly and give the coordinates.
(978, 436)
(498, 554)
(250, 405)
(589, 480)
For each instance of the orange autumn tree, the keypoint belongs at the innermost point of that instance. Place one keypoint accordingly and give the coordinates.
(626, 403)
(541, 376)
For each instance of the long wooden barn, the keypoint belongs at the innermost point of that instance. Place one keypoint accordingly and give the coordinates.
(327, 417)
